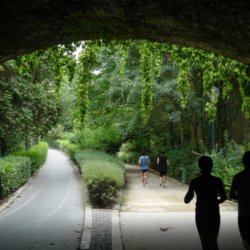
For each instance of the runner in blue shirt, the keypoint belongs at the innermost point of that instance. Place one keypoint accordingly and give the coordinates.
(144, 165)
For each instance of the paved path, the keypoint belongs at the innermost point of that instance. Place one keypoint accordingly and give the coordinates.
(154, 217)
(48, 214)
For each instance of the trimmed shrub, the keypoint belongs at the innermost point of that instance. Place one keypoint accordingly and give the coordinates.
(37, 154)
(103, 174)
(14, 172)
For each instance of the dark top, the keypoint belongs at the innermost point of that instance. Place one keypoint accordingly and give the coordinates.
(240, 190)
(207, 189)
(162, 162)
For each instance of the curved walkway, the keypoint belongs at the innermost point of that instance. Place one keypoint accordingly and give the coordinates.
(48, 214)
(154, 217)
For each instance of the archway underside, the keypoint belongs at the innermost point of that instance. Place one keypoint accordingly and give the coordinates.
(219, 26)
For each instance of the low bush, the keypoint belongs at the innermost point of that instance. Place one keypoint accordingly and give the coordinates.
(183, 164)
(37, 155)
(14, 172)
(228, 162)
(103, 174)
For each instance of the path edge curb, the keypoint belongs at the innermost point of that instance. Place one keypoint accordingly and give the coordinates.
(116, 231)
(87, 219)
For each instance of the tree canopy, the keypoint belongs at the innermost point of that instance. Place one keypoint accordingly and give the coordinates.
(143, 92)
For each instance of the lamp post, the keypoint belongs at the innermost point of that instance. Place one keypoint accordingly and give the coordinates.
(215, 92)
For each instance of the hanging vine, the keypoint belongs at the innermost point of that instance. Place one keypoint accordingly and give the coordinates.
(123, 54)
(244, 82)
(159, 50)
(181, 55)
(87, 64)
(146, 70)
(216, 71)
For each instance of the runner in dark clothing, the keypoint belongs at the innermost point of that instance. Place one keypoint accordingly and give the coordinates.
(240, 191)
(207, 216)
(163, 163)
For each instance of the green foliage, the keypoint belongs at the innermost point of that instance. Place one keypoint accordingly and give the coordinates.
(128, 153)
(37, 155)
(102, 139)
(216, 70)
(29, 104)
(14, 172)
(228, 162)
(53, 135)
(146, 70)
(70, 136)
(16, 169)
(70, 148)
(103, 174)
(183, 164)
(86, 67)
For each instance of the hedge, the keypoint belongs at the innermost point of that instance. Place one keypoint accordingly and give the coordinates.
(14, 172)
(37, 155)
(17, 168)
(103, 174)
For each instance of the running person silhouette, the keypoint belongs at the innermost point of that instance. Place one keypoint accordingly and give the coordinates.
(162, 162)
(207, 215)
(240, 190)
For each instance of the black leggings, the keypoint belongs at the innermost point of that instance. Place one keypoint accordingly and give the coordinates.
(208, 225)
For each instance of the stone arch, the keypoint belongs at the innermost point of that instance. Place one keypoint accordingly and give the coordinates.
(221, 26)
